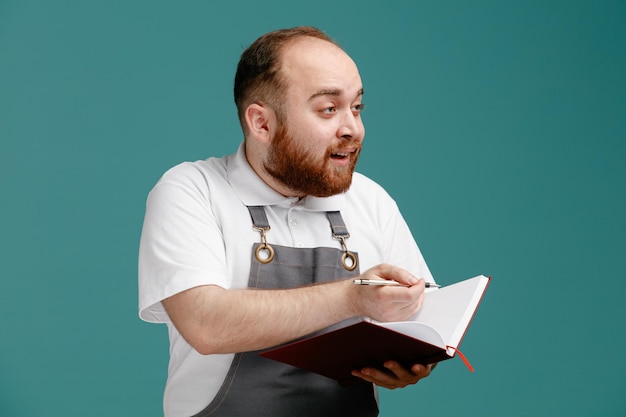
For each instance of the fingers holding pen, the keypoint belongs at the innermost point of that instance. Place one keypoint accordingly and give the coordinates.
(390, 293)
(391, 273)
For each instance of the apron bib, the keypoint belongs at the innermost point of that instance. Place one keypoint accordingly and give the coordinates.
(260, 387)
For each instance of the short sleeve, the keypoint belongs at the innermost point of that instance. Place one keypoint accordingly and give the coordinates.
(181, 243)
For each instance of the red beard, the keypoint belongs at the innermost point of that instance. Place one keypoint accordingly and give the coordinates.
(302, 172)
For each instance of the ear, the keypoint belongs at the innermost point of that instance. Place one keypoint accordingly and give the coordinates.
(260, 120)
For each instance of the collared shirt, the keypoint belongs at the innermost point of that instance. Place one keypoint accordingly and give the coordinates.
(197, 231)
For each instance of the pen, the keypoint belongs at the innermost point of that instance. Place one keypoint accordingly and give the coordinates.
(388, 282)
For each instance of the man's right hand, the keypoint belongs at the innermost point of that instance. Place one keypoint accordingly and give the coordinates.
(386, 302)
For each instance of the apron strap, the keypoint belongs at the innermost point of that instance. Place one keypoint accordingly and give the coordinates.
(259, 219)
(337, 225)
(265, 253)
(340, 232)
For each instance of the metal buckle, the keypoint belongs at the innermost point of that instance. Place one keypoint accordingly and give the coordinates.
(348, 259)
(264, 247)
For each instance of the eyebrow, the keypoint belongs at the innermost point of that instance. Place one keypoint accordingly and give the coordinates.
(332, 92)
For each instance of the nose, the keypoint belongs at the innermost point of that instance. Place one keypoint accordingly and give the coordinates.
(351, 127)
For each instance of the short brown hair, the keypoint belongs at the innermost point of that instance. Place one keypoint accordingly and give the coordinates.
(258, 78)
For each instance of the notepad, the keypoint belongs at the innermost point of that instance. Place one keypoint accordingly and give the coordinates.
(432, 335)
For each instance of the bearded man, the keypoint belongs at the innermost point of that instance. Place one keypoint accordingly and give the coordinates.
(252, 250)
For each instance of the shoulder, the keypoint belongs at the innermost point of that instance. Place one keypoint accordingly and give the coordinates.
(198, 177)
(365, 188)
(360, 180)
(198, 171)
(369, 202)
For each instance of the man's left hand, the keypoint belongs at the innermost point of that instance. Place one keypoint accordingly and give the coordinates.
(395, 375)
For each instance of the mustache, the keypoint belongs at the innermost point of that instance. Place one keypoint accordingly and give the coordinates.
(347, 143)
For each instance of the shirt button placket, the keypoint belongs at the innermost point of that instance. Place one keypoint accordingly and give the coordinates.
(293, 223)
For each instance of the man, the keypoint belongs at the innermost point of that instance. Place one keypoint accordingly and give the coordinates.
(242, 253)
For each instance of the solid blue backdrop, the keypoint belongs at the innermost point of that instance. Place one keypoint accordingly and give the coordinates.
(499, 127)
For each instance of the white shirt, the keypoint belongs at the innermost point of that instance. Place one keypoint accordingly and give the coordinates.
(198, 231)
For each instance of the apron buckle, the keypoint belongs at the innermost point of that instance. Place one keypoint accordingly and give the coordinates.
(264, 253)
(348, 259)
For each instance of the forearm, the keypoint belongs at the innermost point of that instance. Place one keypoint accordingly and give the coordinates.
(215, 320)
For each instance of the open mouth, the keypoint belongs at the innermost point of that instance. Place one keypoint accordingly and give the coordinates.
(340, 155)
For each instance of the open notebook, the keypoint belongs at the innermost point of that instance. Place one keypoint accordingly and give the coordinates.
(432, 335)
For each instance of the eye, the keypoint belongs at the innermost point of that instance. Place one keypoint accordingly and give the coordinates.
(329, 110)
(357, 109)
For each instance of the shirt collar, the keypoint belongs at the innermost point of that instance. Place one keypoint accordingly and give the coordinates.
(253, 191)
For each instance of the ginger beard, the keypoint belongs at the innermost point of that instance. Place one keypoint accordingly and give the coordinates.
(302, 172)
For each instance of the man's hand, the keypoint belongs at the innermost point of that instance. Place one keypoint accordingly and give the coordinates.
(395, 376)
(388, 303)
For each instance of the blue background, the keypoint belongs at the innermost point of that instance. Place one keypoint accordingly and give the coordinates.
(498, 126)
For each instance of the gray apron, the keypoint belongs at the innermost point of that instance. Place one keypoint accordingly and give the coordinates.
(260, 387)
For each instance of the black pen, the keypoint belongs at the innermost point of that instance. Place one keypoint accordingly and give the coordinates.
(359, 281)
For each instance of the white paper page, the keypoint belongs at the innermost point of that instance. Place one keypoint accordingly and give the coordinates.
(416, 330)
(448, 310)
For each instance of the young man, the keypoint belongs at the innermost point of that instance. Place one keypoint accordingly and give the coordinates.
(258, 248)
